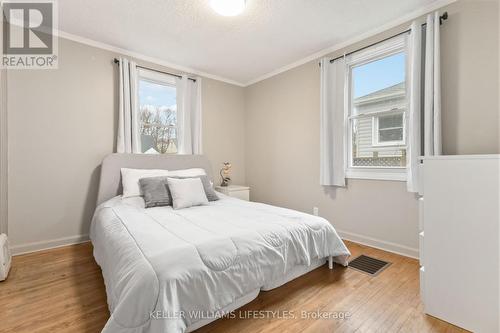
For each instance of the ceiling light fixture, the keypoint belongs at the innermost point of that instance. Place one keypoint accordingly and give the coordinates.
(228, 7)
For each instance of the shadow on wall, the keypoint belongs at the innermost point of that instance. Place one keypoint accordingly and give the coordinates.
(330, 191)
(93, 186)
(450, 40)
(90, 200)
(469, 61)
(116, 96)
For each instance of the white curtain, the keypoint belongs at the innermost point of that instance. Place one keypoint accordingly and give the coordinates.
(332, 122)
(414, 89)
(431, 97)
(128, 138)
(432, 100)
(189, 116)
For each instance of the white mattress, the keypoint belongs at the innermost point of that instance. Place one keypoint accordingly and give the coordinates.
(172, 271)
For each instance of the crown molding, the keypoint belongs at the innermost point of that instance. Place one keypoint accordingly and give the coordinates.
(136, 55)
(402, 20)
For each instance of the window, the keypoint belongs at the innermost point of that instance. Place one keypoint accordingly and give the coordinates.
(376, 112)
(157, 112)
(389, 130)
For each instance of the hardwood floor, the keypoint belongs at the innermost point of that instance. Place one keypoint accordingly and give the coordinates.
(59, 290)
(62, 290)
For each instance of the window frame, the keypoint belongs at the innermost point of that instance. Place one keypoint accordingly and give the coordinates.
(376, 129)
(382, 50)
(151, 76)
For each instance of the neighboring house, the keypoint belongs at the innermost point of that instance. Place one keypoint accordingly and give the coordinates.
(379, 137)
(150, 145)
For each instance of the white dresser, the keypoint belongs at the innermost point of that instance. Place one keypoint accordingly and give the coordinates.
(459, 240)
(235, 191)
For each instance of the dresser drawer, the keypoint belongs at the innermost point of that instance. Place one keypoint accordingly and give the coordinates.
(421, 248)
(420, 214)
(420, 171)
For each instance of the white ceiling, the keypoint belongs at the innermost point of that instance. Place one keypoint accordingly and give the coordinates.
(269, 35)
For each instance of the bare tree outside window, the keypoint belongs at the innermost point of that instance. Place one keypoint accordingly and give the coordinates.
(158, 117)
(159, 124)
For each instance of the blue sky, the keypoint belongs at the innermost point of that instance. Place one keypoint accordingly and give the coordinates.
(156, 94)
(379, 74)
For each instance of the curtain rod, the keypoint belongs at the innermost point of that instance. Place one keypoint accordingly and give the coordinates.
(441, 19)
(116, 61)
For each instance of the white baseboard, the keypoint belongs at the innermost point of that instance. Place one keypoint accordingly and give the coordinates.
(50, 244)
(380, 244)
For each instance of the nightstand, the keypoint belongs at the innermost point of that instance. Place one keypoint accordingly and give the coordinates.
(235, 191)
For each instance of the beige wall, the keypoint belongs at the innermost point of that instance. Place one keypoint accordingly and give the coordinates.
(282, 124)
(3, 147)
(470, 80)
(224, 127)
(63, 122)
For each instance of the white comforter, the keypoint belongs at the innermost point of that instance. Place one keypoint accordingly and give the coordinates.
(161, 266)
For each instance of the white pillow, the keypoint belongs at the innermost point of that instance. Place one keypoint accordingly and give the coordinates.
(130, 179)
(186, 192)
(187, 172)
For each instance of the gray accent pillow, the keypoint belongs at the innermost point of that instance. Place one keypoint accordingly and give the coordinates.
(156, 193)
(208, 187)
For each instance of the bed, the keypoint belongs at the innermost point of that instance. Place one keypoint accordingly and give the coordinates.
(169, 270)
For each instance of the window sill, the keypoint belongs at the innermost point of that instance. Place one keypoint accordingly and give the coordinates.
(392, 144)
(377, 174)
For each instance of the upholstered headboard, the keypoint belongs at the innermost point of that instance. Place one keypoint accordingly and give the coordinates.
(110, 184)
